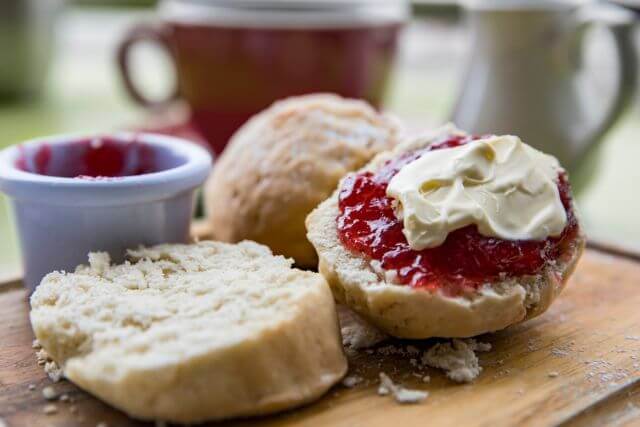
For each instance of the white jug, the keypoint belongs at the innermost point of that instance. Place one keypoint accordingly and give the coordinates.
(525, 75)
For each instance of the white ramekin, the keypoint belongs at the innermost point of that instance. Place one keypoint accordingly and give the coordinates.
(60, 220)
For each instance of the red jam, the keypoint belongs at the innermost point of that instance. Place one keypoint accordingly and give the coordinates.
(367, 224)
(93, 159)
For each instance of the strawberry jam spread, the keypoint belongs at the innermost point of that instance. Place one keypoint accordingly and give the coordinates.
(367, 224)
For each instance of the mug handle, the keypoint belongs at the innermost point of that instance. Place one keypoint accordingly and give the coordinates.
(144, 32)
(620, 22)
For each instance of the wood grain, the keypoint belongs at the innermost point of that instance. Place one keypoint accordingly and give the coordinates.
(590, 338)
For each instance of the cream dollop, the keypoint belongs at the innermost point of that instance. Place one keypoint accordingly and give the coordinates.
(504, 186)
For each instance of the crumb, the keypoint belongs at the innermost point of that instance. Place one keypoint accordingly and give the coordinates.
(482, 347)
(552, 374)
(99, 262)
(41, 357)
(36, 344)
(32, 387)
(3, 423)
(50, 409)
(382, 390)
(559, 352)
(357, 333)
(400, 394)
(632, 337)
(411, 349)
(389, 350)
(49, 393)
(50, 367)
(409, 396)
(426, 379)
(64, 397)
(53, 371)
(102, 424)
(456, 358)
(351, 381)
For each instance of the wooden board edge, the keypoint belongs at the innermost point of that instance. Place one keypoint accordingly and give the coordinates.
(10, 283)
(615, 249)
(619, 404)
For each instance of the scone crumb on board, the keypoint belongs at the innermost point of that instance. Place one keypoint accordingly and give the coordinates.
(53, 371)
(356, 332)
(41, 357)
(49, 393)
(3, 423)
(50, 409)
(102, 424)
(51, 368)
(553, 374)
(400, 394)
(32, 387)
(457, 358)
(351, 381)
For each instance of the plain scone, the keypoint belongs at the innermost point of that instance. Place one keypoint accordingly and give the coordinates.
(285, 161)
(405, 312)
(188, 333)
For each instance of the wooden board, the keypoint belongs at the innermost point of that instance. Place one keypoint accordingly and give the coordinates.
(590, 338)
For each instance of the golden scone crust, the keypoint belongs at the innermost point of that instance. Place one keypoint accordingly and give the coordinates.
(284, 162)
(405, 312)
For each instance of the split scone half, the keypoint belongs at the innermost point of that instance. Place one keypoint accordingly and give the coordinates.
(468, 285)
(188, 333)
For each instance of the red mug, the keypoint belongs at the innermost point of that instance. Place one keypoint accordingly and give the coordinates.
(235, 57)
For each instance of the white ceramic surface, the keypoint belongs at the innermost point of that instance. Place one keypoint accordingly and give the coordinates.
(526, 75)
(61, 219)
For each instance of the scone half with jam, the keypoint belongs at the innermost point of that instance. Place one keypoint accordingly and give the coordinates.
(192, 333)
(449, 235)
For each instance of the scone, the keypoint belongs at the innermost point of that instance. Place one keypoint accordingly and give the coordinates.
(188, 333)
(412, 241)
(284, 162)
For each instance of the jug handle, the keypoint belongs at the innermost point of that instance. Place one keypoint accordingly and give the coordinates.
(620, 22)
